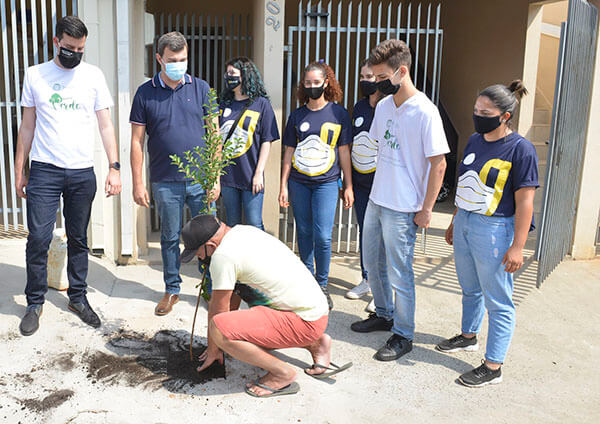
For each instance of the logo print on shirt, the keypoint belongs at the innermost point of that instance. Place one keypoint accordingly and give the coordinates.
(364, 153)
(391, 139)
(315, 155)
(243, 135)
(63, 103)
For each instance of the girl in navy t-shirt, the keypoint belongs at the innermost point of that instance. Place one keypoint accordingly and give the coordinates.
(244, 102)
(494, 198)
(364, 162)
(317, 139)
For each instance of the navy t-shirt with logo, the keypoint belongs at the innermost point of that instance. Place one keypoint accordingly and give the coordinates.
(174, 121)
(316, 136)
(364, 148)
(256, 126)
(491, 172)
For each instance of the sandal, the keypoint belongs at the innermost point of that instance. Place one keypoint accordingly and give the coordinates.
(336, 369)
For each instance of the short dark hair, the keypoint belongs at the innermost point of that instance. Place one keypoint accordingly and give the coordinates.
(174, 40)
(394, 53)
(72, 26)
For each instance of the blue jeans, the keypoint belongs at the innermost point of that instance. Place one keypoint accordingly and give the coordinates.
(235, 200)
(170, 198)
(78, 189)
(314, 211)
(361, 198)
(389, 245)
(480, 243)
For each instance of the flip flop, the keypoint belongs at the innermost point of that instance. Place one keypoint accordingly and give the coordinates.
(336, 369)
(290, 389)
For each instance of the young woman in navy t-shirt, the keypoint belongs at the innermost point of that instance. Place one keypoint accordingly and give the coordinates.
(244, 102)
(317, 139)
(364, 162)
(494, 198)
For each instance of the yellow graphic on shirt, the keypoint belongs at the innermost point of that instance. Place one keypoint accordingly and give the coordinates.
(315, 155)
(472, 193)
(243, 135)
(364, 153)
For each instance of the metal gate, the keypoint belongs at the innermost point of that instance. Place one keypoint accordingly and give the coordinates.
(27, 31)
(343, 33)
(212, 41)
(567, 139)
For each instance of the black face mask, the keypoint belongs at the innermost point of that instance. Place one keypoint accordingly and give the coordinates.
(368, 87)
(68, 58)
(486, 124)
(232, 82)
(314, 92)
(386, 87)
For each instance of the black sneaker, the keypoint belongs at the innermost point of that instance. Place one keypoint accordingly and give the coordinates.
(31, 320)
(85, 312)
(481, 376)
(394, 348)
(326, 293)
(458, 343)
(373, 323)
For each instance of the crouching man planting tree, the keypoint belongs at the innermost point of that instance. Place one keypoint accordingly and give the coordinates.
(287, 307)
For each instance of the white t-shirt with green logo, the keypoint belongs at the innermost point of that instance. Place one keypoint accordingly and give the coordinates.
(271, 273)
(66, 102)
(407, 136)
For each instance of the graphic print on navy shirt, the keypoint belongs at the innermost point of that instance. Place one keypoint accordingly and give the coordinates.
(316, 136)
(256, 126)
(364, 148)
(491, 172)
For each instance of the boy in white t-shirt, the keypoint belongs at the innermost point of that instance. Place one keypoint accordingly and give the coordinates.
(409, 175)
(62, 100)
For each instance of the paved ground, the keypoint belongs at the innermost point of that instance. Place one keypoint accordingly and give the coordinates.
(57, 375)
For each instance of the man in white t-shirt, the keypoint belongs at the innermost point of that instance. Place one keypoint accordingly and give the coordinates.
(62, 100)
(409, 175)
(287, 307)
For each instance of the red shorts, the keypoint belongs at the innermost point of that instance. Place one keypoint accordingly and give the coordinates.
(270, 328)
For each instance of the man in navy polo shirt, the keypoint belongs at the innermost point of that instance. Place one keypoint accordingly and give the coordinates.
(170, 109)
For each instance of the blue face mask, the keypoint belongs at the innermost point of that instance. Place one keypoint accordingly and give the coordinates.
(175, 70)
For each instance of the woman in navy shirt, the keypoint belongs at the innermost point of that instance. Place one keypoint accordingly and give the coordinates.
(244, 102)
(494, 198)
(364, 162)
(317, 139)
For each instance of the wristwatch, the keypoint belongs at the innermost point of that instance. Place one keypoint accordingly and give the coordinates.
(115, 165)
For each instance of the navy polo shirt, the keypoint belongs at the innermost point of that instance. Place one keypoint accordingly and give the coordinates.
(174, 121)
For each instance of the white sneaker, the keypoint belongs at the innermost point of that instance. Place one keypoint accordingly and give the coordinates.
(371, 306)
(359, 291)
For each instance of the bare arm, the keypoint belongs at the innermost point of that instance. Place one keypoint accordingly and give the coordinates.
(258, 181)
(513, 259)
(140, 194)
(434, 184)
(286, 168)
(216, 191)
(24, 140)
(346, 165)
(219, 303)
(107, 133)
(450, 230)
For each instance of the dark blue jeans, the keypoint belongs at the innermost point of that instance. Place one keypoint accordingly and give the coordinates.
(170, 198)
(78, 188)
(236, 200)
(314, 211)
(361, 199)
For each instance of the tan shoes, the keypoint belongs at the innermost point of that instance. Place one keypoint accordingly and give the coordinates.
(166, 304)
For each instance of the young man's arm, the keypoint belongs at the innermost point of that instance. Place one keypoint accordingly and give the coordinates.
(219, 303)
(434, 184)
(140, 194)
(107, 133)
(24, 140)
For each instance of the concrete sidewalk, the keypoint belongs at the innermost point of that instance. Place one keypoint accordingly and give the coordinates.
(550, 375)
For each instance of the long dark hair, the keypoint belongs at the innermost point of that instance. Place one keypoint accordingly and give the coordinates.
(252, 83)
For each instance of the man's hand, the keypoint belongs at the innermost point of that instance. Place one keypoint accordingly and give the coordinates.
(258, 183)
(513, 259)
(20, 184)
(140, 195)
(113, 183)
(423, 218)
(209, 356)
(283, 197)
(214, 194)
(450, 234)
(348, 197)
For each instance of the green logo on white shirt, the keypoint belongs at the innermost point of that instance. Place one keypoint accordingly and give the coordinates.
(63, 103)
(391, 139)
